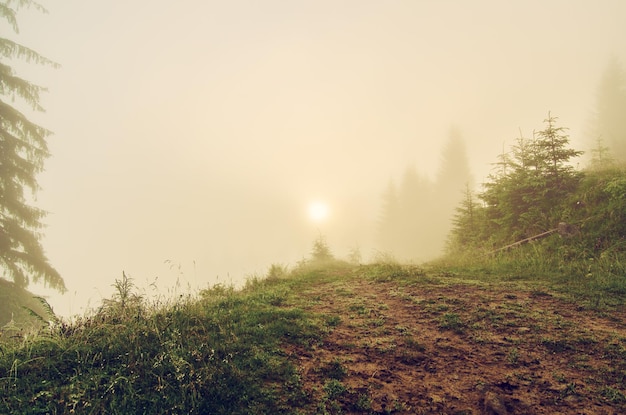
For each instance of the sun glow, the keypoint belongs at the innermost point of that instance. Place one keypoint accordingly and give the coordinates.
(318, 211)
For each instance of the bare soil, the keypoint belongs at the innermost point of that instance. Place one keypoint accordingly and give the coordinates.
(458, 348)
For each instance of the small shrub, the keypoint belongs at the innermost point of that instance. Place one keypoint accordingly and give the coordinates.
(334, 370)
(363, 402)
(321, 251)
(613, 395)
(452, 321)
(277, 271)
(334, 389)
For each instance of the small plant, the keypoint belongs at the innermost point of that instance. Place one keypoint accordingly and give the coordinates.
(333, 321)
(452, 321)
(570, 389)
(277, 271)
(334, 389)
(334, 370)
(363, 402)
(413, 344)
(613, 395)
(399, 406)
(405, 331)
(124, 298)
(513, 356)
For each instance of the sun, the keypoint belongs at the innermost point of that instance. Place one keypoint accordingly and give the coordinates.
(318, 211)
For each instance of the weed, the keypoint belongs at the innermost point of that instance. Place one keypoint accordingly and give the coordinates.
(570, 389)
(277, 271)
(333, 320)
(405, 331)
(334, 370)
(452, 321)
(359, 308)
(334, 389)
(442, 307)
(378, 322)
(399, 406)
(613, 395)
(413, 344)
(363, 403)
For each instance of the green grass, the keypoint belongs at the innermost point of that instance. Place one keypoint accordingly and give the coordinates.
(219, 353)
(593, 280)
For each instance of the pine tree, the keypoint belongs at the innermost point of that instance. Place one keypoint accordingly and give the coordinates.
(454, 171)
(321, 250)
(601, 158)
(23, 150)
(416, 226)
(553, 156)
(527, 197)
(389, 225)
(453, 179)
(610, 114)
(406, 225)
(465, 223)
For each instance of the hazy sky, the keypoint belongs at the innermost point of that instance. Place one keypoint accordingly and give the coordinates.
(198, 131)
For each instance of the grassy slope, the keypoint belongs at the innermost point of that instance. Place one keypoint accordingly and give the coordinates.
(296, 343)
(219, 353)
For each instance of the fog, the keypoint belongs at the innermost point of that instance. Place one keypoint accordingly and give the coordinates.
(191, 137)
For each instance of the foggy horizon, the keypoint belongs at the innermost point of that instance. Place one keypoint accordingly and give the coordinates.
(190, 140)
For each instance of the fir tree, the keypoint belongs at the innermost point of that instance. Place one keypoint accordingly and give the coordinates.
(527, 194)
(553, 156)
(601, 158)
(390, 224)
(465, 223)
(610, 114)
(23, 150)
(453, 177)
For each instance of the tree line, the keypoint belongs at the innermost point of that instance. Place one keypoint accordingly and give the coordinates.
(416, 212)
(533, 187)
(526, 195)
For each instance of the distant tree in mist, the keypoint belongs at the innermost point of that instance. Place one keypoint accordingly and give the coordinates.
(454, 171)
(453, 180)
(390, 223)
(321, 251)
(601, 156)
(416, 214)
(403, 225)
(609, 122)
(23, 150)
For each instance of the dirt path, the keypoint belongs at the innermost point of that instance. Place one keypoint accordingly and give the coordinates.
(462, 349)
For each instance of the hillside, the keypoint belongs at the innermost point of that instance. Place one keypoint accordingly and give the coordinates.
(377, 339)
